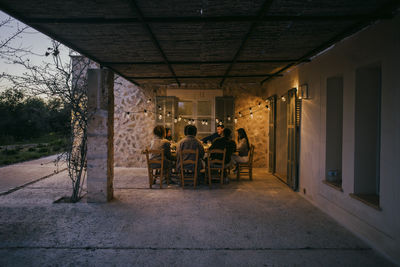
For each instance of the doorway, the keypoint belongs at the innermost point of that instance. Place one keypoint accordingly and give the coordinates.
(284, 137)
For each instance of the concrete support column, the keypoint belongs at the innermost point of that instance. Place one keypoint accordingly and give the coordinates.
(100, 155)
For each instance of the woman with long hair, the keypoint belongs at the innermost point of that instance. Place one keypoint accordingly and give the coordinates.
(243, 147)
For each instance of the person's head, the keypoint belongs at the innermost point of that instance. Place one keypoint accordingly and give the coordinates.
(242, 134)
(227, 133)
(190, 130)
(159, 131)
(168, 132)
(220, 129)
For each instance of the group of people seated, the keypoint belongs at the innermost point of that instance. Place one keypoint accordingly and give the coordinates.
(222, 139)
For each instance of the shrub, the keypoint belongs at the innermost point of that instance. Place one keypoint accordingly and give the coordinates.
(43, 150)
(10, 152)
(32, 149)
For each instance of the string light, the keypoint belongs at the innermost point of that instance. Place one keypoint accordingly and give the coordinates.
(251, 115)
(145, 112)
(267, 107)
(180, 118)
(283, 98)
(259, 104)
(216, 120)
(175, 120)
(160, 116)
(235, 120)
(169, 114)
(229, 118)
(240, 114)
(206, 122)
(220, 123)
(148, 100)
(159, 108)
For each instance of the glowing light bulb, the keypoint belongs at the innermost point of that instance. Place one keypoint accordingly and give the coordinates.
(148, 100)
(240, 114)
(283, 98)
(259, 104)
(251, 115)
(180, 118)
(235, 120)
(229, 118)
(216, 120)
(176, 120)
(145, 112)
(160, 116)
(159, 108)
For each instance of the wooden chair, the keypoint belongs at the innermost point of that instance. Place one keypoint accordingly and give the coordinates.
(216, 167)
(156, 167)
(247, 167)
(189, 174)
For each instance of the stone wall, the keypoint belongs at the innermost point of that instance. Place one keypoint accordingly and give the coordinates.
(133, 130)
(257, 128)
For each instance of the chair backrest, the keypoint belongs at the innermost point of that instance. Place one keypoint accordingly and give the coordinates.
(186, 162)
(215, 161)
(251, 154)
(158, 160)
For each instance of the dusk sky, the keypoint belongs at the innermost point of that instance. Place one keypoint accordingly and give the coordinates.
(32, 39)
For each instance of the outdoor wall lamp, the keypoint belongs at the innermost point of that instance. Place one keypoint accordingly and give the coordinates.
(303, 92)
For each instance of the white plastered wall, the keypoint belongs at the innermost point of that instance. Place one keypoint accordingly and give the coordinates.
(379, 43)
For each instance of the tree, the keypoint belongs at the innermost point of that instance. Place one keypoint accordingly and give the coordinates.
(55, 80)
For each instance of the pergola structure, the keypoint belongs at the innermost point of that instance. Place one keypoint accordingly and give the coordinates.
(180, 41)
(165, 42)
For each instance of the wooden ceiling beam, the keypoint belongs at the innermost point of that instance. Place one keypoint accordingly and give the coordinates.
(153, 38)
(384, 9)
(178, 20)
(200, 62)
(198, 77)
(264, 8)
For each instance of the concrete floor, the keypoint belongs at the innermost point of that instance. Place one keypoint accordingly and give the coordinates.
(14, 176)
(257, 223)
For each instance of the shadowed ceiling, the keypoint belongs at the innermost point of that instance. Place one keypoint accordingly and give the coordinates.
(203, 41)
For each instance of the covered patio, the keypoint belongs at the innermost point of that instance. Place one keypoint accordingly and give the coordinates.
(151, 58)
(257, 223)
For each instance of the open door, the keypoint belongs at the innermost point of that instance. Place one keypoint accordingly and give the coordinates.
(272, 134)
(293, 137)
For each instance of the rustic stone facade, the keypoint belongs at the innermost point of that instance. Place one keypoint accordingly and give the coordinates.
(133, 131)
(247, 96)
(132, 127)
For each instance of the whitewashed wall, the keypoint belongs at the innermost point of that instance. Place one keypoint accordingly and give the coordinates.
(378, 43)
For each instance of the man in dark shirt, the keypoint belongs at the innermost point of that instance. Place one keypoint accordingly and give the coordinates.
(212, 137)
(224, 142)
